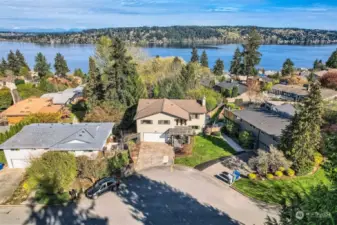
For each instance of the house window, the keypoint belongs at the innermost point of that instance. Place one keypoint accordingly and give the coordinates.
(180, 122)
(195, 127)
(164, 122)
(194, 116)
(146, 122)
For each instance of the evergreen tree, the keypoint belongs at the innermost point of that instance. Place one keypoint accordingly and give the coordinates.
(21, 60)
(316, 64)
(204, 59)
(219, 67)
(251, 55)
(3, 66)
(332, 61)
(195, 56)
(236, 63)
(60, 65)
(12, 63)
(288, 68)
(302, 137)
(188, 76)
(235, 91)
(94, 90)
(78, 73)
(42, 67)
(121, 76)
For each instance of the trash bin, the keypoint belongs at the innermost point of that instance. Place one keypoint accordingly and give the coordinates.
(1, 166)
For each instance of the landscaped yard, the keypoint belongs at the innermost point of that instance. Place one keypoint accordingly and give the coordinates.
(280, 191)
(206, 148)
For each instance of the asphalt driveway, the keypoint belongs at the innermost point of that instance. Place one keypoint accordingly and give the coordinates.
(9, 181)
(157, 195)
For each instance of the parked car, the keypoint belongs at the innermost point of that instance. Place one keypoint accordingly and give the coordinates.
(102, 186)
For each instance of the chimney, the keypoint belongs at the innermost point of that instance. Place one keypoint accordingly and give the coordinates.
(204, 101)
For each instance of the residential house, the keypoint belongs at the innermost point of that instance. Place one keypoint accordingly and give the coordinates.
(65, 97)
(298, 93)
(265, 125)
(160, 120)
(33, 140)
(20, 110)
(219, 87)
(8, 82)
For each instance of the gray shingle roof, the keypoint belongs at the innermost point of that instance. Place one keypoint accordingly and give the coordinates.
(268, 122)
(230, 85)
(61, 98)
(56, 136)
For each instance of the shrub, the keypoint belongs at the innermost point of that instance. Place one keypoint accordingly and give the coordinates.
(305, 169)
(270, 176)
(19, 81)
(290, 172)
(230, 128)
(5, 98)
(318, 158)
(2, 157)
(118, 161)
(53, 172)
(282, 169)
(252, 176)
(279, 173)
(269, 161)
(245, 139)
(91, 169)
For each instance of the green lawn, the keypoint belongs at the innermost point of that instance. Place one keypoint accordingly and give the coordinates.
(280, 191)
(206, 148)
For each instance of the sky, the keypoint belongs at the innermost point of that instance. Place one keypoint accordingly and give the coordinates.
(85, 14)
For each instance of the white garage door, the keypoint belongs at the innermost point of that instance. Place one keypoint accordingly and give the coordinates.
(20, 163)
(154, 137)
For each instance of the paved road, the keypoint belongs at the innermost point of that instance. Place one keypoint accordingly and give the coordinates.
(156, 196)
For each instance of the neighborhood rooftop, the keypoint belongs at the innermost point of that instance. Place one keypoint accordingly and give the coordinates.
(32, 105)
(56, 136)
(269, 122)
(231, 84)
(303, 91)
(61, 98)
(178, 108)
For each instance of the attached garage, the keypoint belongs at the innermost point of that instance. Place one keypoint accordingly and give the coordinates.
(154, 137)
(19, 163)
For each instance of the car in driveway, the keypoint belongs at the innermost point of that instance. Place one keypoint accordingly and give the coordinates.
(102, 186)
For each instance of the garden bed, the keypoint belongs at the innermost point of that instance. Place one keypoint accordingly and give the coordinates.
(206, 148)
(280, 191)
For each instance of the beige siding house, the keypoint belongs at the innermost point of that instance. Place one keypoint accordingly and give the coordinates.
(159, 120)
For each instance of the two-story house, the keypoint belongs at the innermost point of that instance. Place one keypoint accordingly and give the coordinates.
(158, 120)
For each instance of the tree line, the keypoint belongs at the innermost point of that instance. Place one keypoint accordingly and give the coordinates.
(16, 65)
(182, 34)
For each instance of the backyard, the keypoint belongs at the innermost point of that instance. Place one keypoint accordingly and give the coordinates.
(280, 191)
(206, 148)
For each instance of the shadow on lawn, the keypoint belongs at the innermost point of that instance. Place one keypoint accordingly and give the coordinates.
(154, 202)
(218, 141)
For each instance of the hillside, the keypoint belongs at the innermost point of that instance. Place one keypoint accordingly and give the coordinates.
(181, 34)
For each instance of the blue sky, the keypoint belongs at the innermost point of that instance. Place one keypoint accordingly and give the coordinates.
(84, 14)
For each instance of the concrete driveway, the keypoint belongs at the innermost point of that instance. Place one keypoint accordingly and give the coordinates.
(154, 154)
(156, 196)
(9, 181)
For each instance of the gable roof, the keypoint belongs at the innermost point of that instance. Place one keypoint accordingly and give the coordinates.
(56, 136)
(180, 108)
(61, 98)
(31, 105)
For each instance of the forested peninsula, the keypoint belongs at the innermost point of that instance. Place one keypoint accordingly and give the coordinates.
(180, 35)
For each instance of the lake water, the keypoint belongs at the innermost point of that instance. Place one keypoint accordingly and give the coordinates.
(273, 55)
